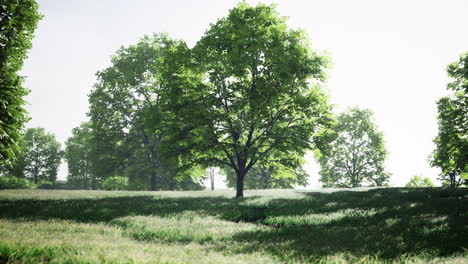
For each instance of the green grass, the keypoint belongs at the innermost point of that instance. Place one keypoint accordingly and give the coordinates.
(393, 225)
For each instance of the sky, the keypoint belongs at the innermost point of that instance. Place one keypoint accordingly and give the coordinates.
(388, 56)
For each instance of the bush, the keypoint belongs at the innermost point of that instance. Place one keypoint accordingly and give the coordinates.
(45, 185)
(15, 183)
(58, 185)
(64, 185)
(418, 181)
(116, 183)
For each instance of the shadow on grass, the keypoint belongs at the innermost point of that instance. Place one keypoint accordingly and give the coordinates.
(381, 222)
(107, 209)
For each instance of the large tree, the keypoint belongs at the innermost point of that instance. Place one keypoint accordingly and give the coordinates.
(79, 157)
(18, 20)
(451, 153)
(259, 100)
(356, 154)
(128, 112)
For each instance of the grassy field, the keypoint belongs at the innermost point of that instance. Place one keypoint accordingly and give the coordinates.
(394, 225)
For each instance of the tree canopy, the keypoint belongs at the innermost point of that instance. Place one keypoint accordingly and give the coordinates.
(128, 114)
(18, 20)
(418, 182)
(451, 153)
(38, 158)
(356, 153)
(79, 156)
(254, 94)
(42, 155)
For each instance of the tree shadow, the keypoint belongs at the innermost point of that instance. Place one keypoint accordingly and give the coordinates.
(381, 222)
(387, 223)
(107, 209)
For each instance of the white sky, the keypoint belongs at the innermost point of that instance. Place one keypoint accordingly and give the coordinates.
(389, 56)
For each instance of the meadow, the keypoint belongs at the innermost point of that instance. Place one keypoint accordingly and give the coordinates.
(386, 225)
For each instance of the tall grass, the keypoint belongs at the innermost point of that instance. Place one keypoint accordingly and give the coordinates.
(392, 225)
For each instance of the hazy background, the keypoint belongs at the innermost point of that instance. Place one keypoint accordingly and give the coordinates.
(388, 56)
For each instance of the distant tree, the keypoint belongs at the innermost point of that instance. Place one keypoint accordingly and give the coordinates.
(263, 177)
(356, 154)
(258, 99)
(38, 158)
(451, 153)
(42, 155)
(79, 156)
(418, 181)
(18, 20)
(116, 183)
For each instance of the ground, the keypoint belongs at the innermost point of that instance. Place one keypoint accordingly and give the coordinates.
(393, 225)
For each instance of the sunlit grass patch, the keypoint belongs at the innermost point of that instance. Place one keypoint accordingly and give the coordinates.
(182, 228)
(68, 242)
(318, 219)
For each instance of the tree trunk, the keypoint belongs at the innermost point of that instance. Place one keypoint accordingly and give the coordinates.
(353, 182)
(240, 183)
(153, 181)
(452, 180)
(212, 178)
(264, 179)
(172, 186)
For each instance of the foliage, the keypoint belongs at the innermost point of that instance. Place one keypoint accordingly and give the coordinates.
(128, 114)
(263, 177)
(115, 183)
(418, 181)
(43, 184)
(38, 158)
(15, 183)
(18, 21)
(42, 155)
(189, 183)
(59, 185)
(79, 156)
(16, 168)
(178, 180)
(258, 98)
(356, 154)
(384, 225)
(451, 153)
(170, 175)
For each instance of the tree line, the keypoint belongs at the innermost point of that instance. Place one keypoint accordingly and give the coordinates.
(247, 98)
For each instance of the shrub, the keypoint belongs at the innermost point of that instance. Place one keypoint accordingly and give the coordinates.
(65, 185)
(116, 183)
(15, 183)
(58, 185)
(418, 181)
(45, 185)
